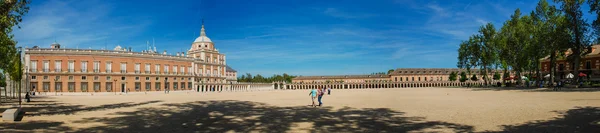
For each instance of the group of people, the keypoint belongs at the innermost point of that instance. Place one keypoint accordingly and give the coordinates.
(318, 94)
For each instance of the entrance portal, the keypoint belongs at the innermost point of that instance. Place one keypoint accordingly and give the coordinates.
(122, 87)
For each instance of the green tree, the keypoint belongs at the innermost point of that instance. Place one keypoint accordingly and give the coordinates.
(579, 44)
(463, 77)
(474, 78)
(249, 78)
(390, 71)
(452, 76)
(242, 78)
(496, 76)
(2, 80)
(11, 12)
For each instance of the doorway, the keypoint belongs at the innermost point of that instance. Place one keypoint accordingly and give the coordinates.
(122, 87)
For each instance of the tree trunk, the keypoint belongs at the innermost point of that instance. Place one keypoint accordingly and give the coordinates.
(552, 68)
(485, 78)
(576, 62)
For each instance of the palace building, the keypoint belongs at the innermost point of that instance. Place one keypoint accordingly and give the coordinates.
(398, 75)
(589, 65)
(57, 69)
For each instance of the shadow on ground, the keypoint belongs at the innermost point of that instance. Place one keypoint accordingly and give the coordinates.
(43, 106)
(245, 116)
(536, 89)
(578, 120)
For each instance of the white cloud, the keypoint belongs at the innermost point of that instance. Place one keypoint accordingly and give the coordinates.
(73, 26)
(346, 15)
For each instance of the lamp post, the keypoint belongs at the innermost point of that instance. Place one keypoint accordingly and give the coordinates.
(19, 49)
(55, 92)
(115, 86)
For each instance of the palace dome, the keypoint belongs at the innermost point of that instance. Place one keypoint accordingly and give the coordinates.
(202, 37)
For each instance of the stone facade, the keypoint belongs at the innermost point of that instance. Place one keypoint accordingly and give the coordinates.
(231, 75)
(57, 69)
(590, 65)
(398, 75)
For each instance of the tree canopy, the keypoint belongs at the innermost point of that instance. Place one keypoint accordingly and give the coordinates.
(260, 79)
(524, 39)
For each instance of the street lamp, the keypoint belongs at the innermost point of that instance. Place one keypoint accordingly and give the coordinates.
(55, 92)
(115, 86)
(19, 49)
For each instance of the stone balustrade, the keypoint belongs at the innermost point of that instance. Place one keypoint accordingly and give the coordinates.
(374, 85)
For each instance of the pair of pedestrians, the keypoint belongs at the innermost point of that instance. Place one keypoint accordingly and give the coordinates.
(318, 94)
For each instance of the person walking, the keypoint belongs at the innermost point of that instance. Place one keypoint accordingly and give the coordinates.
(320, 94)
(313, 95)
(328, 90)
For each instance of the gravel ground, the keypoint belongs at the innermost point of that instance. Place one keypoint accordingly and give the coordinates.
(362, 110)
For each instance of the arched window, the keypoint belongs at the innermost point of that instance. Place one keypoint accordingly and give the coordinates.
(425, 79)
(413, 78)
(419, 78)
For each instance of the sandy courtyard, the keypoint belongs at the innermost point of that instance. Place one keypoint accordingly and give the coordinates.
(374, 110)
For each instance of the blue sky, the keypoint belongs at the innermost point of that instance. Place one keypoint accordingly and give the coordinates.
(308, 37)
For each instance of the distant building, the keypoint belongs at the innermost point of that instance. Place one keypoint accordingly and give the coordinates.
(398, 75)
(589, 65)
(58, 69)
(231, 75)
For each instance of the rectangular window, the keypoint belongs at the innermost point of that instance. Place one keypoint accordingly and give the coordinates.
(166, 69)
(147, 78)
(83, 77)
(108, 67)
(71, 66)
(588, 65)
(70, 77)
(123, 67)
(46, 66)
(109, 86)
(182, 68)
(71, 86)
(96, 66)
(147, 69)
(175, 69)
(137, 78)
(45, 77)
(96, 86)
(33, 77)
(189, 85)
(147, 86)
(137, 68)
(33, 67)
(157, 69)
(138, 86)
(58, 66)
(157, 86)
(183, 85)
(84, 66)
(84, 87)
(46, 86)
(56, 78)
(190, 70)
(96, 78)
(58, 86)
(175, 86)
(108, 78)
